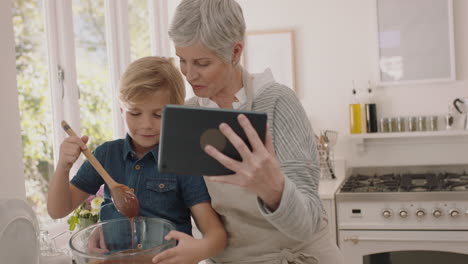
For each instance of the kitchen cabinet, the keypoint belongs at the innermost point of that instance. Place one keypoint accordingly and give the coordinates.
(361, 141)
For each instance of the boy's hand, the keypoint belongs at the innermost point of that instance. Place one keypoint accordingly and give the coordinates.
(70, 150)
(185, 252)
(96, 242)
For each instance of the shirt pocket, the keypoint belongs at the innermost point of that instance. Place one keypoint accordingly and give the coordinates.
(160, 194)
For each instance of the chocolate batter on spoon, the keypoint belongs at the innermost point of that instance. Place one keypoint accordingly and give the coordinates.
(124, 199)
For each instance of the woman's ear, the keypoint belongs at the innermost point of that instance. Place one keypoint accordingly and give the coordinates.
(237, 52)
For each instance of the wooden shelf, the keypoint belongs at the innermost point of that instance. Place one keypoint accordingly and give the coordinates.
(426, 137)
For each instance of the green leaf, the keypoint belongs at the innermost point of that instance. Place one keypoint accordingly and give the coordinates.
(72, 221)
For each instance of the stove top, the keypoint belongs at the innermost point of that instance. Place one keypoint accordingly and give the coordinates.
(447, 182)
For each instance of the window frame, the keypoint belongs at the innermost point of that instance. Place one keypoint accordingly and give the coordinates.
(62, 59)
(62, 69)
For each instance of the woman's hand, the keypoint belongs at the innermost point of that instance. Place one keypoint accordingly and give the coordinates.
(70, 150)
(185, 252)
(259, 170)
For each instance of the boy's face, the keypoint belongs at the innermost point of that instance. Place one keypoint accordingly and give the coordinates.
(143, 121)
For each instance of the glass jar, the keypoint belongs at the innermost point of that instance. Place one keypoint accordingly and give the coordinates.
(393, 127)
(412, 124)
(383, 125)
(433, 126)
(422, 123)
(401, 126)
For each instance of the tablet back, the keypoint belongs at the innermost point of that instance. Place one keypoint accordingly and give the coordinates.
(186, 130)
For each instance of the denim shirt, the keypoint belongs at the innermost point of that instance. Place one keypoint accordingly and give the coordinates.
(166, 196)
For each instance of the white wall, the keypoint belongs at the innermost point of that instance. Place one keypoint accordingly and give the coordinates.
(335, 44)
(11, 166)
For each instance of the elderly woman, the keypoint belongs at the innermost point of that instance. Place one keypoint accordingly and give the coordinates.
(270, 207)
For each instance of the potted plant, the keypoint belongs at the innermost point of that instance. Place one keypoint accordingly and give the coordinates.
(88, 212)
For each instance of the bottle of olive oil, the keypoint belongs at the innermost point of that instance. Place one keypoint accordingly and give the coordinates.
(355, 123)
(371, 112)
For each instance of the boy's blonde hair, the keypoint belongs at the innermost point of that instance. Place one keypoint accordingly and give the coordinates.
(148, 75)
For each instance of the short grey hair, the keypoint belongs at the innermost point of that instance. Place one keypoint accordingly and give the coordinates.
(216, 24)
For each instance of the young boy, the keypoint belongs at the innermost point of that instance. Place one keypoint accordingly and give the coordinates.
(146, 87)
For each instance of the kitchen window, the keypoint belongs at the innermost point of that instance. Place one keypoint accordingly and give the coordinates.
(34, 101)
(69, 57)
(138, 18)
(92, 70)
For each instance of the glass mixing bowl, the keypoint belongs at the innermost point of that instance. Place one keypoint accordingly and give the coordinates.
(116, 235)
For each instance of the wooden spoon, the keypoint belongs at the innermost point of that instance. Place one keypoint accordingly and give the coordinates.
(124, 199)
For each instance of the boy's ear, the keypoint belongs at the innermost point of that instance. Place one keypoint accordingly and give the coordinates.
(121, 110)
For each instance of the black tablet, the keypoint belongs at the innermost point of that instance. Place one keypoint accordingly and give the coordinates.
(185, 131)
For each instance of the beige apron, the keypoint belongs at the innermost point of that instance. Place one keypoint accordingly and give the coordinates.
(254, 240)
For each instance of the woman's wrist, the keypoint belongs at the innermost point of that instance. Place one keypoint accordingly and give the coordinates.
(271, 197)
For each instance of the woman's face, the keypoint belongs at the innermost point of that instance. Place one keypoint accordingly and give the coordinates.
(208, 74)
(143, 121)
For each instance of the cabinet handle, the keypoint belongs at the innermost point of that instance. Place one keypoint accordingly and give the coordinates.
(356, 239)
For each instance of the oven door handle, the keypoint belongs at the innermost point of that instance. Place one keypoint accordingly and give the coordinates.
(357, 239)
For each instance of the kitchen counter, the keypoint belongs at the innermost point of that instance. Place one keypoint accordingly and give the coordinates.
(328, 188)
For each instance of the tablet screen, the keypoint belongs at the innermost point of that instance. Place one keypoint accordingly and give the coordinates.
(185, 131)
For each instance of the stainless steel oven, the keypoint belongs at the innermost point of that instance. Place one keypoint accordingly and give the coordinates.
(403, 219)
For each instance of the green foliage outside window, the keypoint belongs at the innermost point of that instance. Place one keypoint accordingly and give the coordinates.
(34, 101)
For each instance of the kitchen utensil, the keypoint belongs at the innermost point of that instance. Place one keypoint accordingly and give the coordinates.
(148, 240)
(324, 166)
(124, 199)
(330, 138)
(461, 105)
(449, 118)
(326, 149)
